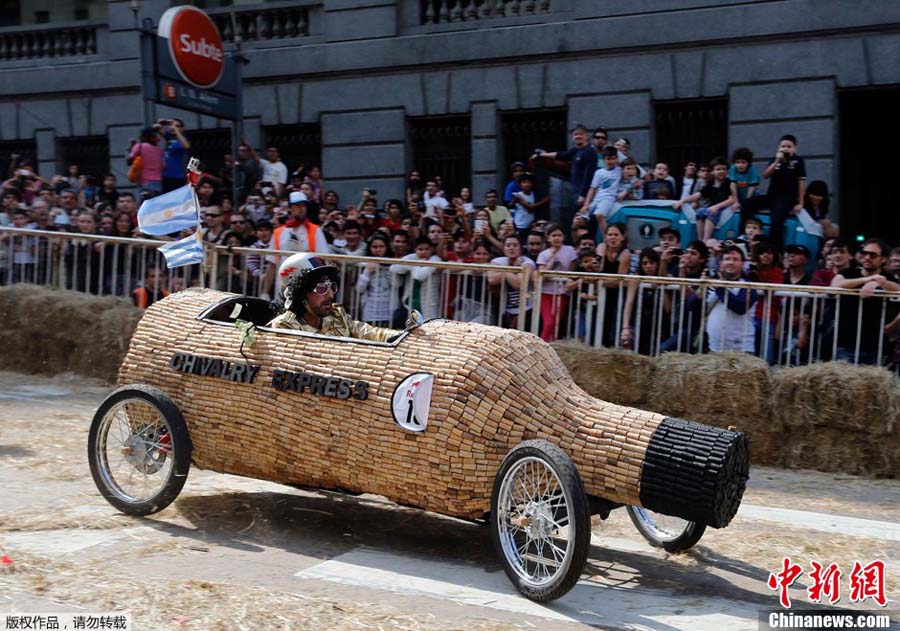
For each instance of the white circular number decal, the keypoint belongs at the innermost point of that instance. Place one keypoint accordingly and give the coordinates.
(412, 401)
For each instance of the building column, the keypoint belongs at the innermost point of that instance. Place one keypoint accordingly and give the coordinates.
(485, 150)
(365, 149)
(626, 114)
(46, 153)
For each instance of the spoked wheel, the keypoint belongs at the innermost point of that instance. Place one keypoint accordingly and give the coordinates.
(139, 450)
(540, 523)
(664, 531)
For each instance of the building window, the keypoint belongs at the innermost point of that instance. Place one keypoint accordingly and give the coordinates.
(20, 151)
(523, 132)
(442, 146)
(867, 119)
(695, 131)
(210, 146)
(299, 145)
(22, 13)
(89, 153)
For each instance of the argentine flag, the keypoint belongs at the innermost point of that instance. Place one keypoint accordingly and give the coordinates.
(185, 251)
(171, 212)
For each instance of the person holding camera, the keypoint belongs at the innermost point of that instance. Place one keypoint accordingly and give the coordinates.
(25, 181)
(176, 153)
(685, 306)
(368, 211)
(669, 249)
(729, 318)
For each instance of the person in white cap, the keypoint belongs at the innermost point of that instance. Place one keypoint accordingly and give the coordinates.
(299, 234)
(311, 284)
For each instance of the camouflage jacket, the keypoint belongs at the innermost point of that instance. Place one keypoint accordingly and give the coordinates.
(337, 324)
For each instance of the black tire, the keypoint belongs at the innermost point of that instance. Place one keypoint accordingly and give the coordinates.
(148, 461)
(538, 453)
(659, 537)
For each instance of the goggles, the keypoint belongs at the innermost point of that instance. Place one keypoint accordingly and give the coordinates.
(324, 286)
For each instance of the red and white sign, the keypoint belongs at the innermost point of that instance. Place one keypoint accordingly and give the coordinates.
(194, 44)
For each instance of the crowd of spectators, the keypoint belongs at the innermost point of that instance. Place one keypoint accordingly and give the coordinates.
(257, 201)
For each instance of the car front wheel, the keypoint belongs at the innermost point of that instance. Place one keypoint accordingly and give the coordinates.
(139, 450)
(540, 522)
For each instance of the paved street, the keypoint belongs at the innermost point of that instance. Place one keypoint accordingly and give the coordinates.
(236, 553)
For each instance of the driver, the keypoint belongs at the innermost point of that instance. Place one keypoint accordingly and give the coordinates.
(310, 287)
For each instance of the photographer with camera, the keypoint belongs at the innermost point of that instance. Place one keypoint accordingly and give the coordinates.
(24, 179)
(669, 249)
(368, 212)
(176, 152)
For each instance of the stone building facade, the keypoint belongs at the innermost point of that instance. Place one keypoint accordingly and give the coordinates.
(362, 80)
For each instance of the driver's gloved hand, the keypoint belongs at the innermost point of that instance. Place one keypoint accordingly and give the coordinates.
(415, 319)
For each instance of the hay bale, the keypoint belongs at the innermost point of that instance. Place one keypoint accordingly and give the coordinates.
(720, 389)
(837, 450)
(839, 417)
(730, 388)
(50, 331)
(837, 395)
(611, 374)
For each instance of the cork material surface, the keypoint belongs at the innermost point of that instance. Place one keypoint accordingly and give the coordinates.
(492, 389)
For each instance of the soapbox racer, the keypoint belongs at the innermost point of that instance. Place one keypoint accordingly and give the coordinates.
(463, 419)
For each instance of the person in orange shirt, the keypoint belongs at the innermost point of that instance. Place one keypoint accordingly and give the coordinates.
(299, 233)
(155, 283)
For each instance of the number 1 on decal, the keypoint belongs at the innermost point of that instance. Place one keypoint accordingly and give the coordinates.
(410, 416)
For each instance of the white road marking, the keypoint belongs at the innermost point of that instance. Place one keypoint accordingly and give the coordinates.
(59, 542)
(35, 392)
(823, 522)
(588, 602)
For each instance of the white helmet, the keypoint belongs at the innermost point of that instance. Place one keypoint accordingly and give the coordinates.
(301, 266)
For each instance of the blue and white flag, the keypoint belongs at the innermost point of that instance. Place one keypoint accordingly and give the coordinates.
(185, 251)
(170, 212)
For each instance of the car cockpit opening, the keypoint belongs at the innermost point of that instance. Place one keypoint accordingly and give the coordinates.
(247, 308)
(259, 313)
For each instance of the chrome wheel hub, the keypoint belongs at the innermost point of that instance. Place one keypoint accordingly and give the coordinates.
(534, 513)
(539, 521)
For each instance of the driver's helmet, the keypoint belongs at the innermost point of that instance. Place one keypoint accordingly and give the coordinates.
(300, 272)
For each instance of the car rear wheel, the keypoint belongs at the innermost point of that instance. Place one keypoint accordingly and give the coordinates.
(139, 450)
(540, 523)
(673, 534)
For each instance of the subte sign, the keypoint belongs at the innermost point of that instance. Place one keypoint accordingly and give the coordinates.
(195, 45)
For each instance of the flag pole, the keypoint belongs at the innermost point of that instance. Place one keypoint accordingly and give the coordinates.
(193, 178)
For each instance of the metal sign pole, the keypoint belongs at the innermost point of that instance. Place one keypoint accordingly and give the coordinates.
(237, 125)
(148, 69)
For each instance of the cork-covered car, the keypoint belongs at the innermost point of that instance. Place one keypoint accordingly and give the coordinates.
(467, 420)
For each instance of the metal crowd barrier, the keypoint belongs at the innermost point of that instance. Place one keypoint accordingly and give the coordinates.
(95, 264)
(786, 325)
(382, 290)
